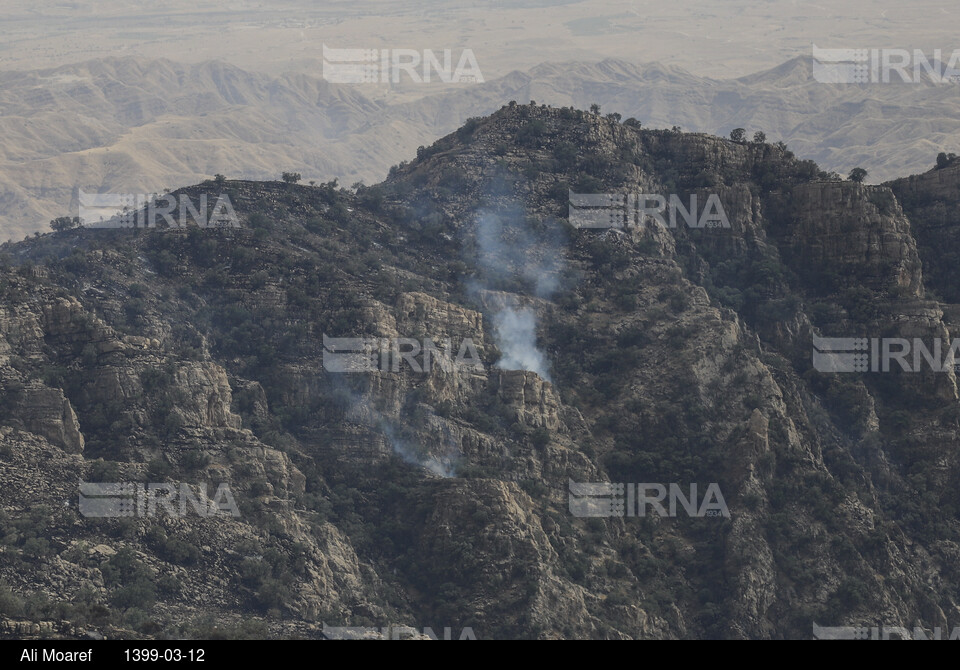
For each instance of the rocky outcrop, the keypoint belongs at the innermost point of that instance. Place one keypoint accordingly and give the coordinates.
(530, 398)
(856, 231)
(932, 201)
(46, 412)
(418, 313)
(208, 396)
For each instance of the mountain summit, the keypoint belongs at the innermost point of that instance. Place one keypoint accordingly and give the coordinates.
(622, 433)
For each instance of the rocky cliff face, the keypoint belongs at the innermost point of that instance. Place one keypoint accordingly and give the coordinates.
(856, 231)
(932, 201)
(438, 495)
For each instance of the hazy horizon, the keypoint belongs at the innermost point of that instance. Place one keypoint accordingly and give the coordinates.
(720, 40)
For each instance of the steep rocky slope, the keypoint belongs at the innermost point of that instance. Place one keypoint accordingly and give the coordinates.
(440, 498)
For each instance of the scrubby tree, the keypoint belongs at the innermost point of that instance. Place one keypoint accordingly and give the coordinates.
(760, 137)
(858, 175)
(540, 438)
(738, 135)
(219, 179)
(292, 177)
(945, 160)
(63, 223)
(594, 108)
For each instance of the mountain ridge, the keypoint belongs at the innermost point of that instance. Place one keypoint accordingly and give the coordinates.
(676, 356)
(158, 126)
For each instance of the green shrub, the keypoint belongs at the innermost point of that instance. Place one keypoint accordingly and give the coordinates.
(540, 438)
(11, 605)
(141, 594)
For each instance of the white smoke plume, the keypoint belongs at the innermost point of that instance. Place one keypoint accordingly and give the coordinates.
(403, 450)
(516, 335)
(511, 256)
(362, 411)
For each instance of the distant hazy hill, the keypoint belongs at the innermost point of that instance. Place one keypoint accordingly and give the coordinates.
(123, 125)
(129, 125)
